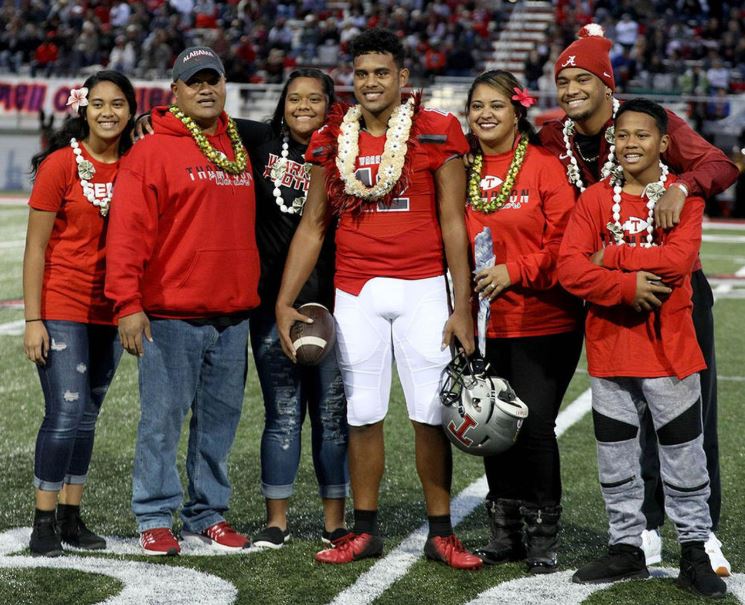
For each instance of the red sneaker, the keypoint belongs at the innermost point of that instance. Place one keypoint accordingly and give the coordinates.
(352, 547)
(221, 536)
(159, 541)
(450, 551)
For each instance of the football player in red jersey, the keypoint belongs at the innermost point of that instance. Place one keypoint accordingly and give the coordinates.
(391, 173)
(584, 142)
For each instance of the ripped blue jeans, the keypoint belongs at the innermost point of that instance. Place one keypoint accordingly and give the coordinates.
(80, 365)
(289, 391)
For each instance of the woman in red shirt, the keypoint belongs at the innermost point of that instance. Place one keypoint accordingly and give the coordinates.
(530, 331)
(70, 332)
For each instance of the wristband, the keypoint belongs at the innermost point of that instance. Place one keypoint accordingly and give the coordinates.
(682, 187)
(28, 321)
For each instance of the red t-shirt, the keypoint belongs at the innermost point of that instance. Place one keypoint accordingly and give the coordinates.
(619, 340)
(527, 232)
(75, 260)
(401, 240)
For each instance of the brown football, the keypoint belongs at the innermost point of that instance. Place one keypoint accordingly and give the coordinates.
(314, 341)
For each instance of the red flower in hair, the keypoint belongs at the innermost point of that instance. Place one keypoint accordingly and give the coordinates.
(523, 97)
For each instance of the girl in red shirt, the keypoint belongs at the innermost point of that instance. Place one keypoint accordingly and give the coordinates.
(518, 206)
(70, 332)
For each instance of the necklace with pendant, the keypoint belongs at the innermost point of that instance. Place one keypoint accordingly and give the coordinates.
(86, 171)
(653, 192)
(278, 172)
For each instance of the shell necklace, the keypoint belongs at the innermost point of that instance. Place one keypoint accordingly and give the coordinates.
(392, 160)
(573, 171)
(653, 191)
(86, 170)
(277, 173)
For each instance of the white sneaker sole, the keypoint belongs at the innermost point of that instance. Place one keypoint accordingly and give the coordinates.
(267, 544)
(159, 553)
(204, 541)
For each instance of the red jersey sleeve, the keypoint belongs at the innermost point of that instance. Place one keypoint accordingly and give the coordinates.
(701, 167)
(442, 137)
(577, 273)
(51, 182)
(538, 270)
(133, 228)
(673, 260)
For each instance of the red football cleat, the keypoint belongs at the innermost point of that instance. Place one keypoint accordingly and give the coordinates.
(221, 536)
(450, 551)
(352, 547)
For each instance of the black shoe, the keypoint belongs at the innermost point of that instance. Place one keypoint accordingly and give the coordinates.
(74, 532)
(622, 562)
(506, 524)
(45, 538)
(541, 537)
(271, 537)
(696, 574)
(330, 537)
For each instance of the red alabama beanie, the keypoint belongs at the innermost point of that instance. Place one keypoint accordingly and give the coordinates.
(591, 51)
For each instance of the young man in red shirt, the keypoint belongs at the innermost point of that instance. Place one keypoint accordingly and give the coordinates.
(398, 190)
(642, 351)
(584, 143)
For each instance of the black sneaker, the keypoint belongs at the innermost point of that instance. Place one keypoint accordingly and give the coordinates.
(74, 532)
(45, 538)
(330, 537)
(271, 537)
(622, 562)
(696, 575)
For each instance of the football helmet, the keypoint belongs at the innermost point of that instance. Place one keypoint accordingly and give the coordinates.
(481, 414)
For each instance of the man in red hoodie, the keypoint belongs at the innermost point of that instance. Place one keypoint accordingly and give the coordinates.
(182, 270)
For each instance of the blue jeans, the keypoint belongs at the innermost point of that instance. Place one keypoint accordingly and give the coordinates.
(80, 365)
(194, 367)
(289, 391)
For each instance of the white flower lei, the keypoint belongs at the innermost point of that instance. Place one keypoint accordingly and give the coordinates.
(392, 160)
(653, 191)
(573, 171)
(86, 170)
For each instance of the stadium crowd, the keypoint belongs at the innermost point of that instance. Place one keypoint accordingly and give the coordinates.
(687, 46)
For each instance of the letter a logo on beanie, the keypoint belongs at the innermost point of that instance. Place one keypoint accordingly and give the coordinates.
(591, 51)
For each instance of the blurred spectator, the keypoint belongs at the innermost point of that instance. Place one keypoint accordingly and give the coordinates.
(718, 75)
(626, 31)
(45, 57)
(718, 107)
(119, 14)
(122, 57)
(534, 68)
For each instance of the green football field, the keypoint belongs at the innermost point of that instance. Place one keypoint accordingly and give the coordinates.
(290, 575)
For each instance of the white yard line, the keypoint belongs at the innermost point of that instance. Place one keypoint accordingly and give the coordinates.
(381, 576)
(18, 243)
(12, 328)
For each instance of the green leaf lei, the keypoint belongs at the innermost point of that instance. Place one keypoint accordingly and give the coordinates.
(474, 180)
(213, 155)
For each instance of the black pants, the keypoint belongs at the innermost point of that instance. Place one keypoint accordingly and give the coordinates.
(539, 368)
(703, 321)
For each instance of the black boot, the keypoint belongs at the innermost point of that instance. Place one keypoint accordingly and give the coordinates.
(506, 524)
(542, 537)
(45, 535)
(73, 530)
(696, 574)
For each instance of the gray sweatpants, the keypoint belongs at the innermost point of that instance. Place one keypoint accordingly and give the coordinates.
(682, 465)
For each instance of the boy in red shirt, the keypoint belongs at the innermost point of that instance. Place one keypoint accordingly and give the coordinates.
(642, 349)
